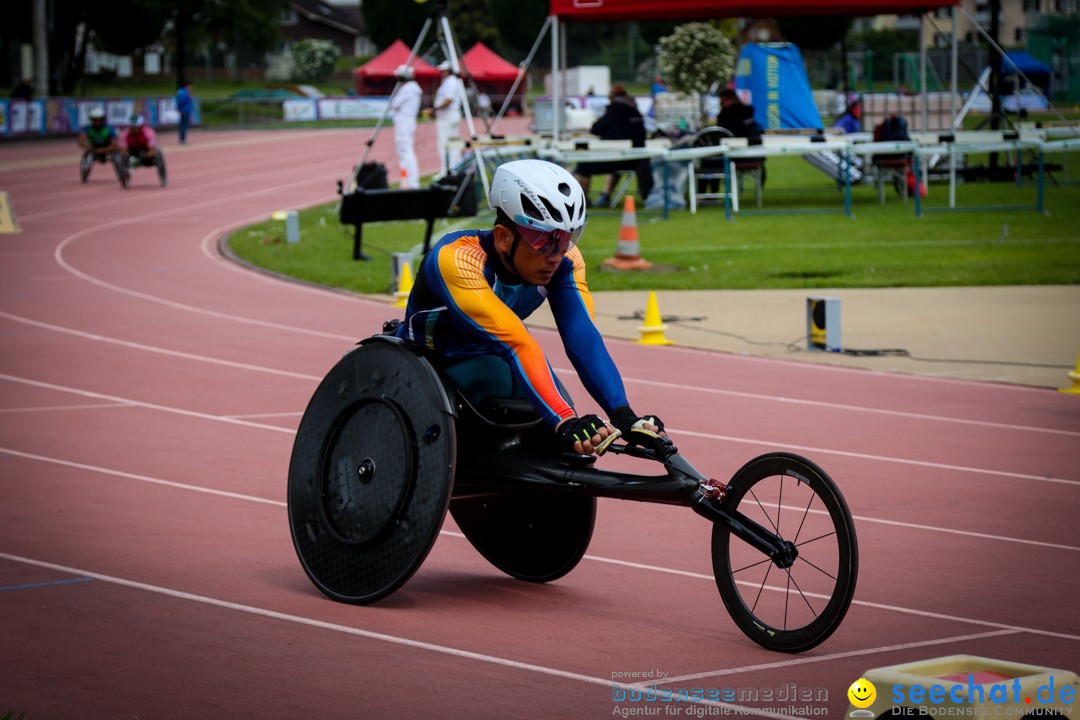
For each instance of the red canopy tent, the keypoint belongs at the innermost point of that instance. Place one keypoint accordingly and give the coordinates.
(614, 10)
(376, 76)
(493, 75)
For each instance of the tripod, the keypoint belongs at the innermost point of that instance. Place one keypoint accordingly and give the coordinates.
(450, 47)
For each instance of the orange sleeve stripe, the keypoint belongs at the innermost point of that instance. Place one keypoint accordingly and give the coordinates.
(461, 265)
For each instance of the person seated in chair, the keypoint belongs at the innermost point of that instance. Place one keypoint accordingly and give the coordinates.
(140, 143)
(621, 121)
(738, 119)
(98, 139)
(475, 288)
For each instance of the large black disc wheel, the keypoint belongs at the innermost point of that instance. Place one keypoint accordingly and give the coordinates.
(795, 608)
(530, 535)
(372, 471)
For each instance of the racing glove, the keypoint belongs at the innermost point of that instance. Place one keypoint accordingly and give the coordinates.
(581, 430)
(633, 429)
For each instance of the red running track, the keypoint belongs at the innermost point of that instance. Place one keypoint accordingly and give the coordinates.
(150, 391)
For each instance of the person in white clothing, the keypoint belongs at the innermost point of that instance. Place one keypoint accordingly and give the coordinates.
(404, 108)
(448, 116)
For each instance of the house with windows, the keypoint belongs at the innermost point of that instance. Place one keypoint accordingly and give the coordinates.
(339, 22)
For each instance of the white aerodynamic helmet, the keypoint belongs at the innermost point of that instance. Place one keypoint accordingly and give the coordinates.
(544, 201)
(405, 72)
(96, 113)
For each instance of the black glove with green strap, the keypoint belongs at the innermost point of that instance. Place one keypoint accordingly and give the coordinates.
(633, 430)
(581, 430)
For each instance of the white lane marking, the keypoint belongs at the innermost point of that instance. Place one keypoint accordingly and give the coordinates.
(156, 349)
(675, 431)
(138, 403)
(348, 630)
(63, 408)
(593, 558)
(840, 406)
(881, 458)
(689, 388)
(834, 656)
(136, 476)
(58, 255)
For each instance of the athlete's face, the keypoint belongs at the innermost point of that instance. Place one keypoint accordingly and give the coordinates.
(532, 266)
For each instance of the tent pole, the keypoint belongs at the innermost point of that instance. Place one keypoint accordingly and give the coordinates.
(351, 185)
(522, 69)
(923, 95)
(954, 125)
(556, 105)
(455, 67)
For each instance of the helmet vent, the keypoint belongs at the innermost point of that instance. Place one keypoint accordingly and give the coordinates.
(530, 209)
(552, 210)
(564, 189)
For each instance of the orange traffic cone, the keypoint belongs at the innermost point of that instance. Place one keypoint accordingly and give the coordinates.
(404, 286)
(628, 251)
(652, 332)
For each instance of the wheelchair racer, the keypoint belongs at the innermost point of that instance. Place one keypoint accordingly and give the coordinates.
(140, 142)
(475, 287)
(98, 139)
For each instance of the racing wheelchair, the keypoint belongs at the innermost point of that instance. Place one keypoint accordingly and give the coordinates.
(116, 159)
(387, 445)
(139, 158)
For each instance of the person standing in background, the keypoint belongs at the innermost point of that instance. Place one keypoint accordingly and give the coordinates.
(447, 109)
(184, 105)
(404, 108)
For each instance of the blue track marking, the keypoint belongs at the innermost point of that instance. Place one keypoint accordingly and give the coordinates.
(43, 584)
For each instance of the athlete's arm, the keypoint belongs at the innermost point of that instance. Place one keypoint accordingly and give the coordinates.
(572, 306)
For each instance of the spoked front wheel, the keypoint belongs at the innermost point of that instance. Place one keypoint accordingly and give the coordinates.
(793, 608)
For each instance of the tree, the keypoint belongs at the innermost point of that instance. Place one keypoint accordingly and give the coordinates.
(314, 59)
(389, 20)
(814, 33)
(517, 23)
(695, 56)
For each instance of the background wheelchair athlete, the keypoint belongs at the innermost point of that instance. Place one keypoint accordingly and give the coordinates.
(474, 289)
(99, 143)
(141, 148)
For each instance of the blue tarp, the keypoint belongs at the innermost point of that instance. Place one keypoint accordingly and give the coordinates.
(772, 78)
(1027, 64)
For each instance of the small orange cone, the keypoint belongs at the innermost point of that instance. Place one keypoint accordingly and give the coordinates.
(404, 286)
(652, 332)
(1075, 377)
(628, 251)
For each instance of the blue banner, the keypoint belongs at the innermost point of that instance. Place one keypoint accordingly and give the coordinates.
(64, 116)
(772, 78)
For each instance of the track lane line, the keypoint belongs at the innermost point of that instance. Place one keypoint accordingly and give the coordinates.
(352, 340)
(594, 558)
(355, 631)
(676, 431)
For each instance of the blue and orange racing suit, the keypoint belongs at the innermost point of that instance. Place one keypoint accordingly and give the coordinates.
(465, 304)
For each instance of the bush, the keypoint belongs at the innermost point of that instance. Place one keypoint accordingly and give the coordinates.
(314, 59)
(695, 56)
(282, 69)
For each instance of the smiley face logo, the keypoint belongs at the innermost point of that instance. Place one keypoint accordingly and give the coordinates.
(862, 693)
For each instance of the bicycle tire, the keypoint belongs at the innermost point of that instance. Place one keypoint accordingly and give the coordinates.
(818, 523)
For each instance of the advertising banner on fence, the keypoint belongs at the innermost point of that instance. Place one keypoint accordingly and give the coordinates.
(299, 110)
(368, 108)
(59, 116)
